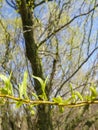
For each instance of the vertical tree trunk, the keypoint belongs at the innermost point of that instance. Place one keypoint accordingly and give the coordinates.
(44, 117)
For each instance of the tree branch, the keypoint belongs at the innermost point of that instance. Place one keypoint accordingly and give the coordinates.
(76, 70)
(11, 4)
(59, 29)
(42, 2)
(38, 102)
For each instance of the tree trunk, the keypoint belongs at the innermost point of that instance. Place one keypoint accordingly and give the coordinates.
(44, 118)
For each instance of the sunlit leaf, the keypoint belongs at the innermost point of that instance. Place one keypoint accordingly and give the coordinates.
(40, 80)
(58, 100)
(19, 104)
(61, 109)
(32, 112)
(34, 94)
(93, 92)
(23, 86)
(68, 101)
(79, 95)
(7, 83)
(43, 85)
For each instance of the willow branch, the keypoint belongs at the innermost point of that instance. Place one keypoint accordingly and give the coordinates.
(38, 102)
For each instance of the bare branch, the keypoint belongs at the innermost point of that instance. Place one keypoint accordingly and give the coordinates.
(62, 27)
(11, 4)
(42, 2)
(76, 70)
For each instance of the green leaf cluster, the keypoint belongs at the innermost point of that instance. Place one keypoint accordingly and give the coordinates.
(23, 87)
(75, 95)
(60, 102)
(43, 86)
(93, 94)
(7, 88)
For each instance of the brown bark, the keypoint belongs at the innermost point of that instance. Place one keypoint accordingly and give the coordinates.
(44, 118)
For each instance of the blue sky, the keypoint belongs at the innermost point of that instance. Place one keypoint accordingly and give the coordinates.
(7, 11)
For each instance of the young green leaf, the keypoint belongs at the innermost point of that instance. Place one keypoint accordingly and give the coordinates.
(32, 112)
(73, 97)
(19, 104)
(88, 98)
(3, 91)
(23, 86)
(68, 101)
(58, 100)
(34, 94)
(40, 80)
(8, 85)
(43, 96)
(43, 85)
(61, 109)
(2, 101)
(93, 92)
(79, 95)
